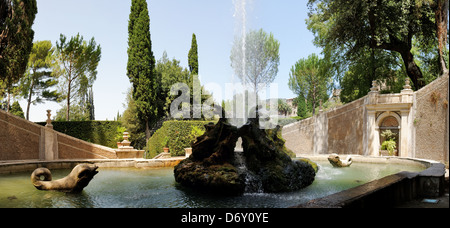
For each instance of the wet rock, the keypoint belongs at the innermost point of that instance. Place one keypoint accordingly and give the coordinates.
(267, 157)
(266, 167)
(210, 165)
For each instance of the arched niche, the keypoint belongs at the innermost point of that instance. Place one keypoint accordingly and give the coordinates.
(389, 121)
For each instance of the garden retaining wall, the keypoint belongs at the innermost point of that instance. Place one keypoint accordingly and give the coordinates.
(350, 129)
(24, 140)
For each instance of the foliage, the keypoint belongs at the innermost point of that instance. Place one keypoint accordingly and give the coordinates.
(195, 133)
(98, 132)
(119, 133)
(255, 60)
(165, 142)
(310, 78)
(348, 30)
(372, 65)
(141, 65)
(302, 109)
(78, 62)
(389, 144)
(388, 135)
(78, 112)
(16, 39)
(284, 107)
(39, 77)
(17, 110)
(170, 73)
(179, 134)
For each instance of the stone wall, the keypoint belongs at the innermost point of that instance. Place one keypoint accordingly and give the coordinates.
(24, 140)
(350, 121)
(338, 131)
(431, 121)
(19, 139)
(352, 128)
(300, 136)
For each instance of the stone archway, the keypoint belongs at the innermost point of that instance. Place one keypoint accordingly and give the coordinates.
(380, 106)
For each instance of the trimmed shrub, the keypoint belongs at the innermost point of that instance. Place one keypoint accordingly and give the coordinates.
(180, 137)
(104, 133)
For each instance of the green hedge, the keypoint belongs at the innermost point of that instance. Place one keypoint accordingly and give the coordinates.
(99, 132)
(179, 137)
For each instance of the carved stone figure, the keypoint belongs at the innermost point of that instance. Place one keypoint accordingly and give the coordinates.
(337, 162)
(76, 181)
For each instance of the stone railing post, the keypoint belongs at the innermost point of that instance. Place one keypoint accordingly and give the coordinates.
(49, 121)
(373, 93)
(48, 148)
(407, 92)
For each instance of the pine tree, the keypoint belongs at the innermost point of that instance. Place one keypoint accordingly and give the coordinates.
(78, 61)
(141, 64)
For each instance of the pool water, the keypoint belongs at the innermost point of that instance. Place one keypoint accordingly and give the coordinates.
(156, 188)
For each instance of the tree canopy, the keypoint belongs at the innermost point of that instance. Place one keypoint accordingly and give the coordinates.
(347, 30)
(39, 78)
(255, 58)
(309, 79)
(16, 37)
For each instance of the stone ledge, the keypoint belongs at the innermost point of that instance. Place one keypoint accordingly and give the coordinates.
(8, 167)
(388, 191)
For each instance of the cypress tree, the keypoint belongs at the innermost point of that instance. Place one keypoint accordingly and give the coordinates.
(141, 64)
(16, 40)
(193, 56)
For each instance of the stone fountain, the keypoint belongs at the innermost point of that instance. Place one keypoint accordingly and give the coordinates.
(262, 166)
(125, 150)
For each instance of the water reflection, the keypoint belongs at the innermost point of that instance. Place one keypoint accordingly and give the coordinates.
(156, 188)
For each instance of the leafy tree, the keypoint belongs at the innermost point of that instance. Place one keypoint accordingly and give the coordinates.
(16, 40)
(78, 112)
(170, 73)
(141, 65)
(255, 61)
(309, 77)
(78, 62)
(372, 64)
(352, 26)
(284, 107)
(39, 78)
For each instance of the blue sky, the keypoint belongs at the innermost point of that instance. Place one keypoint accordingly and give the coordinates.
(172, 23)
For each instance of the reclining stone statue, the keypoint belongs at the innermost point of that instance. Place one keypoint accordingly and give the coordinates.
(75, 182)
(337, 162)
